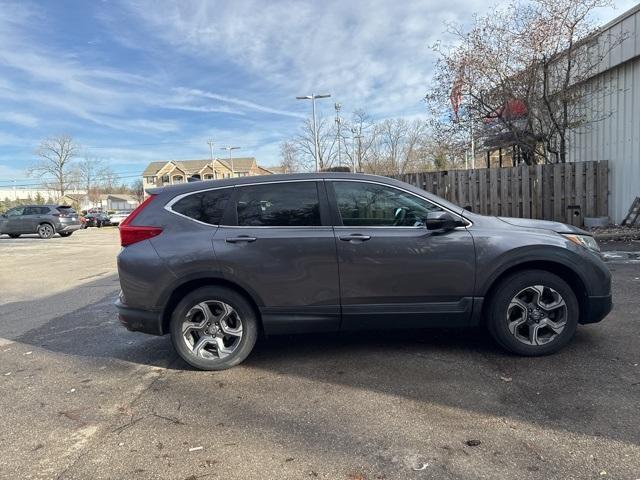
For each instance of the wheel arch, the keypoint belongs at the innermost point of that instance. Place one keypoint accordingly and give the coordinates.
(566, 273)
(183, 288)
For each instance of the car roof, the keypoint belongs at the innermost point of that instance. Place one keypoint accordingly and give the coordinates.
(178, 189)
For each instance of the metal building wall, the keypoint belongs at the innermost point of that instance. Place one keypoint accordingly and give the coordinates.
(614, 133)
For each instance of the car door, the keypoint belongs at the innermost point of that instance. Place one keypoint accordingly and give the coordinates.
(276, 240)
(13, 220)
(395, 273)
(30, 219)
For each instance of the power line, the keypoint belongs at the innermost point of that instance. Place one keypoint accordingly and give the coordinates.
(42, 183)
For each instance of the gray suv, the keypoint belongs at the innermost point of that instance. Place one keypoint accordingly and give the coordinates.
(45, 220)
(217, 263)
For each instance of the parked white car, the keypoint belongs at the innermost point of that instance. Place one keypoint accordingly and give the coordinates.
(119, 217)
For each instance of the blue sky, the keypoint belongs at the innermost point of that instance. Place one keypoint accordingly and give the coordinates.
(143, 80)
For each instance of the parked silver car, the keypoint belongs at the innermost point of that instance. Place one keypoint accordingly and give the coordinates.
(45, 220)
(119, 216)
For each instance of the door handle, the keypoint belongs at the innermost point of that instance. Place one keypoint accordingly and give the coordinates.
(241, 238)
(355, 238)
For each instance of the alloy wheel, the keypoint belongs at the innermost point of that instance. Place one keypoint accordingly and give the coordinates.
(212, 330)
(536, 315)
(45, 230)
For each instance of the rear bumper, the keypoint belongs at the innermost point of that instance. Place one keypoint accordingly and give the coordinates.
(72, 227)
(137, 320)
(596, 308)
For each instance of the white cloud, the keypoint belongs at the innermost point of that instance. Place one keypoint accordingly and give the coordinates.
(22, 119)
(190, 92)
(372, 54)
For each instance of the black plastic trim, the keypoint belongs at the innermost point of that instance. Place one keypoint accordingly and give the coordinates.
(596, 308)
(137, 320)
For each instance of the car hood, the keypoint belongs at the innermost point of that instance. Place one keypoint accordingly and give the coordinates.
(543, 225)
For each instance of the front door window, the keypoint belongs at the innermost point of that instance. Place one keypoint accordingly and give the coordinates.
(363, 204)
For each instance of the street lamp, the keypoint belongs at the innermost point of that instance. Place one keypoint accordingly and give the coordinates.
(229, 149)
(313, 97)
(213, 171)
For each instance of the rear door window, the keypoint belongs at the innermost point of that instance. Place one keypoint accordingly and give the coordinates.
(207, 207)
(286, 204)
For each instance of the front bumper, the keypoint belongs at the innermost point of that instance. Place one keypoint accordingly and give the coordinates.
(596, 308)
(137, 320)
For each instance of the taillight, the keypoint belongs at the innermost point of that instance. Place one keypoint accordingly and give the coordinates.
(130, 234)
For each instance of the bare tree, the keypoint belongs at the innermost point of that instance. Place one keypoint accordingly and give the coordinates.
(326, 143)
(91, 172)
(289, 159)
(55, 163)
(516, 76)
(108, 180)
(137, 188)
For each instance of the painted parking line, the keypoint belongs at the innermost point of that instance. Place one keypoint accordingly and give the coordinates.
(621, 257)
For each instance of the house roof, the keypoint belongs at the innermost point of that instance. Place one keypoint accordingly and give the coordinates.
(242, 164)
(266, 171)
(122, 196)
(191, 167)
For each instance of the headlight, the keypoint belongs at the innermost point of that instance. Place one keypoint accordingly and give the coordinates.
(585, 241)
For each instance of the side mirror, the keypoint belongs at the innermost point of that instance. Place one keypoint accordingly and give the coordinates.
(442, 221)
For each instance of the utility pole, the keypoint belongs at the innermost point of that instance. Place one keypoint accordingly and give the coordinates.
(213, 172)
(338, 122)
(313, 97)
(229, 149)
(357, 167)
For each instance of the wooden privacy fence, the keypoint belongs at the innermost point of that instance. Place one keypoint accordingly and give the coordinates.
(565, 192)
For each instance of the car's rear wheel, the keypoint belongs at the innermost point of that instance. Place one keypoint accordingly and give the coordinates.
(65, 234)
(46, 230)
(214, 328)
(14, 235)
(533, 312)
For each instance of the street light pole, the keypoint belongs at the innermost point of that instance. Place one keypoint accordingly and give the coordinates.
(229, 149)
(313, 97)
(213, 172)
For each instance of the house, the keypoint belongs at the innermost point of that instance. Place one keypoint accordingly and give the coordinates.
(180, 171)
(118, 201)
(103, 201)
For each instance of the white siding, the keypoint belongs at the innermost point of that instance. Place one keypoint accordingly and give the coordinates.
(615, 106)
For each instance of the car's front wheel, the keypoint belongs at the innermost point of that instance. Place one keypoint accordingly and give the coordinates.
(214, 328)
(533, 312)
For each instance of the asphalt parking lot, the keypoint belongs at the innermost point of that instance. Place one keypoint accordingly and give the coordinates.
(80, 397)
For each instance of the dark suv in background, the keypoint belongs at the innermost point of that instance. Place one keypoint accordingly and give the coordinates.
(215, 263)
(45, 220)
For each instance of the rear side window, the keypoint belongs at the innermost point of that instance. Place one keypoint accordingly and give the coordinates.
(207, 207)
(288, 204)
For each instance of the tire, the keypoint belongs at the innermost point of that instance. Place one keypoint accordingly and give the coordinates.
(46, 230)
(65, 234)
(14, 235)
(219, 301)
(529, 320)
